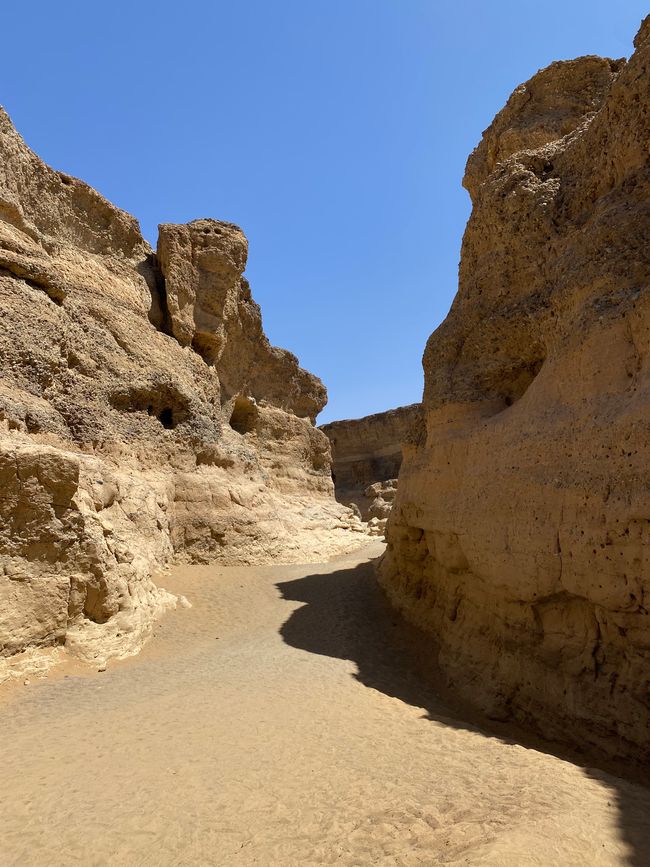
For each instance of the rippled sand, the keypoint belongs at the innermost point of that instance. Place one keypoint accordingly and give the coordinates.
(274, 723)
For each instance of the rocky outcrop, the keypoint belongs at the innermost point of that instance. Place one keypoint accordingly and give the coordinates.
(521, 531)
(210, 308)
(366, 451)
(380, 496)
(143, 416)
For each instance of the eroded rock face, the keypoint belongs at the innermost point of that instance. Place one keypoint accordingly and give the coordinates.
(521, 531)
(143, 415)
(380, 496)
(366, 451)
(210, 308)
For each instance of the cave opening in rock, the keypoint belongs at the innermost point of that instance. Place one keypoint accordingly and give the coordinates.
(518, 379)
(243, 418)
(163, 402)
(166, 417)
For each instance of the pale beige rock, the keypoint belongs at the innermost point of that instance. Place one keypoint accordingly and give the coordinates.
(143, 416)
(520, 534)
(380, 496)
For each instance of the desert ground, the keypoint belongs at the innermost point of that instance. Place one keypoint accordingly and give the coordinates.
(273, 723)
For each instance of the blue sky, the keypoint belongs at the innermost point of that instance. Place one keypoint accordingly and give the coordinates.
(334, 132)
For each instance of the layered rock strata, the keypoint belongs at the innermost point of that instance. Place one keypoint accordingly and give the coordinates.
(143, 416)
(366, 451)
(520, 537)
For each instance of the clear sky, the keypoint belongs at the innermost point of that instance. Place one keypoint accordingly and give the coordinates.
(334, 132)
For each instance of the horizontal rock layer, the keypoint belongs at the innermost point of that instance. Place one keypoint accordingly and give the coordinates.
(520, 537)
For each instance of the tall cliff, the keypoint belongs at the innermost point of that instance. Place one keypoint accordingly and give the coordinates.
(521, 532)
(143, 416)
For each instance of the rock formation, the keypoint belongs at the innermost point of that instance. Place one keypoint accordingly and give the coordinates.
(521, 532)
(366, 451)
(143, 415)
(381, 495)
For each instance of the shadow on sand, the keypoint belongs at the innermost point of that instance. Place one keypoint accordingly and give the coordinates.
(346, 616)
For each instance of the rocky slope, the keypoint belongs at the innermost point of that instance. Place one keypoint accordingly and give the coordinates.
(521, 531)
(367, 451)
(143, 416)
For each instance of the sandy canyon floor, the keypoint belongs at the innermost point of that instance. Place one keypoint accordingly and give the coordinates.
(273, 724)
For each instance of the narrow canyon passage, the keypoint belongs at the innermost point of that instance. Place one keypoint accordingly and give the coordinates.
(275, 723)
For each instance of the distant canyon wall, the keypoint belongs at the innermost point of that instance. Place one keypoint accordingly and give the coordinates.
(520, 537)
(144, 416)
(366, 451)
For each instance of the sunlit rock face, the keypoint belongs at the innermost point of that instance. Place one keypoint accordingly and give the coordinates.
(520, 537)
(143, 416)
(210, 308)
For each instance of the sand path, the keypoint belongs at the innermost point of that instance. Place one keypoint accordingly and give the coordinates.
(274, 724)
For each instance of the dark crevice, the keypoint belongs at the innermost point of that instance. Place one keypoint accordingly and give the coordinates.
(56, 297)
(166, 418)
(158, 309)
(42, 283)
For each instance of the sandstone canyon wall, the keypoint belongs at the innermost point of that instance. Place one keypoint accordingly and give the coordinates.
(521, 532)
(367, 452)
(143, 416)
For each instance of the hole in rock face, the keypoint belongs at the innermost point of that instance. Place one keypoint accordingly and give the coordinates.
(243, 418)
(166, 418)
(162, 402)
(208, 346)
(539, 166)
(516, 381)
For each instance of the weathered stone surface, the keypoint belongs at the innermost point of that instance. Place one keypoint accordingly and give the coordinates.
(368, 450)
(210, 307)
(143, 415)
(380, 496)
(521, 530)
